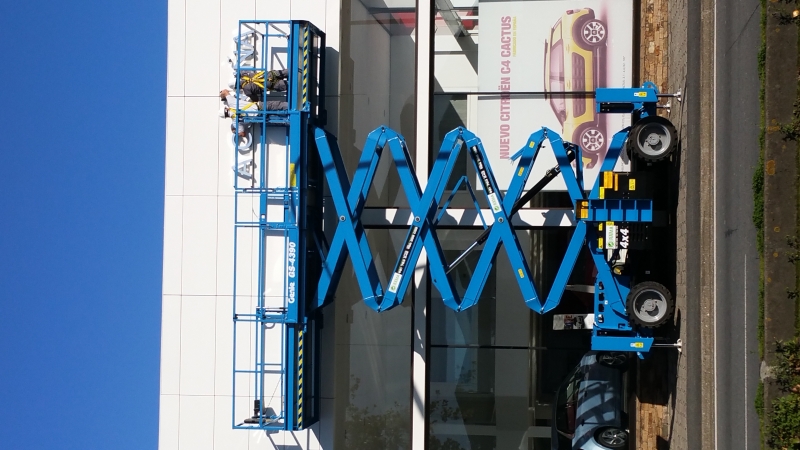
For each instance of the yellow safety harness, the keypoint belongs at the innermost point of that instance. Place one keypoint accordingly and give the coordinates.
(232, 111)
(258, 79)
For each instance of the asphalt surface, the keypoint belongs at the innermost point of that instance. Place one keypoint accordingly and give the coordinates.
(736, 105)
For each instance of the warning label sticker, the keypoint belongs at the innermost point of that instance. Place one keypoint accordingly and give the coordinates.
(394, 283)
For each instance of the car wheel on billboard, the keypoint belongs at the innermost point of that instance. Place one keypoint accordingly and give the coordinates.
(591, 138)
(592, 33)
(650, 304)
(653, 138)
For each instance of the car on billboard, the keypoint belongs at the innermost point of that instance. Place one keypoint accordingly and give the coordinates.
(589, 408)
(574, 61)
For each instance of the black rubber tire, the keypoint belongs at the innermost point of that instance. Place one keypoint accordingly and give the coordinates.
(645, 134)
(643, 319)
(591, 32)
(614, 360)
(612, 437)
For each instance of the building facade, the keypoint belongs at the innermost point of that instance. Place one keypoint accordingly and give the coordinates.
(420, 375)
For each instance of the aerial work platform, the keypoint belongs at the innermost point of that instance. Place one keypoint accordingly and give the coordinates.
(278, 197)
(288, 265)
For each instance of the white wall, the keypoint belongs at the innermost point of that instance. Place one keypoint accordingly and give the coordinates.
(197, 326)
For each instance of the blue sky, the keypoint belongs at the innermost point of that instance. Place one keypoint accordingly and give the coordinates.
(81, 191)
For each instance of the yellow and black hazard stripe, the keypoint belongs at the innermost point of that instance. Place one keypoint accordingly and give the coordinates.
(300, 379)
(305, 66)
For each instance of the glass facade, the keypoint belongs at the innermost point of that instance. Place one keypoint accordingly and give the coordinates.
(378, 73)
(508, 67)
(373, 351)
(480, 377)
(495, 367)
(492, 371)
(373, 355)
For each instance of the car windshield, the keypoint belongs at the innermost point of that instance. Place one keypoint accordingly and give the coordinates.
(566, 403)
(556, 75)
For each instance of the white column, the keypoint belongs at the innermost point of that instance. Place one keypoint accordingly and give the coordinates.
(419, 355)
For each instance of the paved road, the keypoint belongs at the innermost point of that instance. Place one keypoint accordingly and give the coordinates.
(737, 34)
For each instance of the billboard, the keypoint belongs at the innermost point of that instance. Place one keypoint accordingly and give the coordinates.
(553, 50)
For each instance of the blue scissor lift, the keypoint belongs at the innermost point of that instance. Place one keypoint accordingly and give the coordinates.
(606, 215)
(278, 216)
(288, 177)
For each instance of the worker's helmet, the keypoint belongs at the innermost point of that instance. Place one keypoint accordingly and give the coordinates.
(232, 83)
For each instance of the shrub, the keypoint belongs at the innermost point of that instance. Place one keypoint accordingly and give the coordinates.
(784, 427)
(784, 418)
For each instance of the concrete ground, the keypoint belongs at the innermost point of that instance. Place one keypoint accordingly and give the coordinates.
(668, 390)
(703, 396)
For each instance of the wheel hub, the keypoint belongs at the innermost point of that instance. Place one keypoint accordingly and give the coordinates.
(653, 139)
(594, 32)
(592, 140)
(615, 437)
(650, 306)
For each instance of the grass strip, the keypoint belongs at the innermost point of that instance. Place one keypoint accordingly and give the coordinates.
(784, 412)
(758, 176)
(758, 208)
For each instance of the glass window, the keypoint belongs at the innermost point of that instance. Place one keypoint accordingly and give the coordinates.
(481, 379)
(492, 374)
(377, 67)
(378, 79)
(479, 397)
(566, 403)
(524, 64)
(376, 361)
(504, 70)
